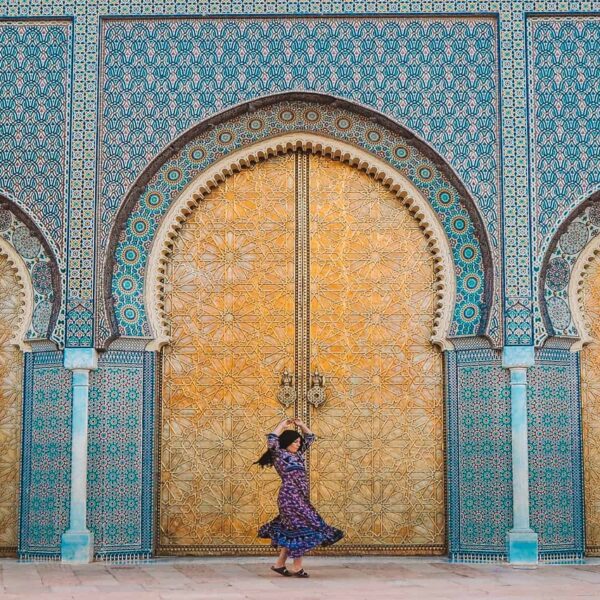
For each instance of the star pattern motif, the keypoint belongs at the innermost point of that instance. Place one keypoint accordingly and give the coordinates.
(378, 469)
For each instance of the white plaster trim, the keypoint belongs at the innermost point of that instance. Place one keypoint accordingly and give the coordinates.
(575, 292)
(193, 194)
(26, 288)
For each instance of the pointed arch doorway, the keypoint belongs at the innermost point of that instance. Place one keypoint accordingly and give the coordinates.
(307, 264)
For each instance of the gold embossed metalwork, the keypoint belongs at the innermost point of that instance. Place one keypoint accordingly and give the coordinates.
(302, 259)
(230, 297)
(590, 403)
(11, 312)
(378, 469)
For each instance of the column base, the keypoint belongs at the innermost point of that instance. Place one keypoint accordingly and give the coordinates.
(77, 547)
(522, 546)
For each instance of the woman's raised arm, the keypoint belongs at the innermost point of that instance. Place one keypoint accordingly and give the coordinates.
(273, 437)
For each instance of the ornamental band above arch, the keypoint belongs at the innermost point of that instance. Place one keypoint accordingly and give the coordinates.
(572, 248)
(257, 122)
(19, 230)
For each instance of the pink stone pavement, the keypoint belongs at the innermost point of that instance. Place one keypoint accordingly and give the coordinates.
(249, 578)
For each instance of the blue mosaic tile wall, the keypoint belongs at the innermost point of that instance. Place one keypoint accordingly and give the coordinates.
(564, 95)
(555, 475)
(46, 455)
(120, 464)
(479, 454)
(438, 77)
(92, 91)
(563, 58)
(35, 62)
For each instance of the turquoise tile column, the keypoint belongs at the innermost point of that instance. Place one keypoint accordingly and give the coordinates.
(522, 541)
(77, 543)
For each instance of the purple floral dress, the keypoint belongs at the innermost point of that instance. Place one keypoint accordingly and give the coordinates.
(298, 527)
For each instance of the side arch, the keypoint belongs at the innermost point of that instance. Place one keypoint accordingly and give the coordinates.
(572, 250)
(346, 132)
(24, 297)
(25, 244)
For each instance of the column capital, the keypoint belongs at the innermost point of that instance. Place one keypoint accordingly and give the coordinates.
(80, 358)
(515, 357)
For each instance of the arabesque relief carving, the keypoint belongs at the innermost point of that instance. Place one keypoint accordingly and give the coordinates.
(306, 264)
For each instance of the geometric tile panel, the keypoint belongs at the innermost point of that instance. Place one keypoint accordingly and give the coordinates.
(46, 454)
(120, 453)
(160, 77)
(173, 176)
(35, 62)
(479, 453)
(564, 79)
(563, 84)
(555, 478)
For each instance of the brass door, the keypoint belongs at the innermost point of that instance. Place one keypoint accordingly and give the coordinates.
(590, 405)
(302, 263)
(11, 393)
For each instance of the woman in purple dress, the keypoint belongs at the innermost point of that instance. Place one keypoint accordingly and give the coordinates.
(298, 528)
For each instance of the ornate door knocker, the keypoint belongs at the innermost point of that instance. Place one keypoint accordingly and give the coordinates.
(316, 394)
(286, 394)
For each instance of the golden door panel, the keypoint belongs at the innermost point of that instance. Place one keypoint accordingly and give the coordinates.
(11, 308)
(590, 401)
(377, 470)
(230, 300)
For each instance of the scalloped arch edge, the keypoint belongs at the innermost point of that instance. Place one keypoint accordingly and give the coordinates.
(193, 194)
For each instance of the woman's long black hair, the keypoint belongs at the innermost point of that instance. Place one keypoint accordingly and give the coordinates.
(289, 436)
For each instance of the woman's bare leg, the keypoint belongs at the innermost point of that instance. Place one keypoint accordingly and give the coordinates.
(297, 564)
(283, 553)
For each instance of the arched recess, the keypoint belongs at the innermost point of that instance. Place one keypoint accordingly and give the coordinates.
(16, 313)
(570, 301)
(348, 132)
(305, 262)
(39, 261)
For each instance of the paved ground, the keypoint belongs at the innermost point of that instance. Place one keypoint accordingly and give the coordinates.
(250, 578)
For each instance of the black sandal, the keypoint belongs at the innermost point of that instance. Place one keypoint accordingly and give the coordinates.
(301, 573)
(282, 571)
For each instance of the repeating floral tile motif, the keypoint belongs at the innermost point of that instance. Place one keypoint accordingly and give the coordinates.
(435, 76)
(564, 95)
(479, 459)
(35, 67)
(563, 84)
(555, 477)
(120, 480)
(46, 454)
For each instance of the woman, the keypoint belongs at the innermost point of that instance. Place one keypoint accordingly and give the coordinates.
(298, 528)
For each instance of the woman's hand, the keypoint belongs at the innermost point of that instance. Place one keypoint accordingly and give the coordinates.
(287, 422)
(300, 423)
